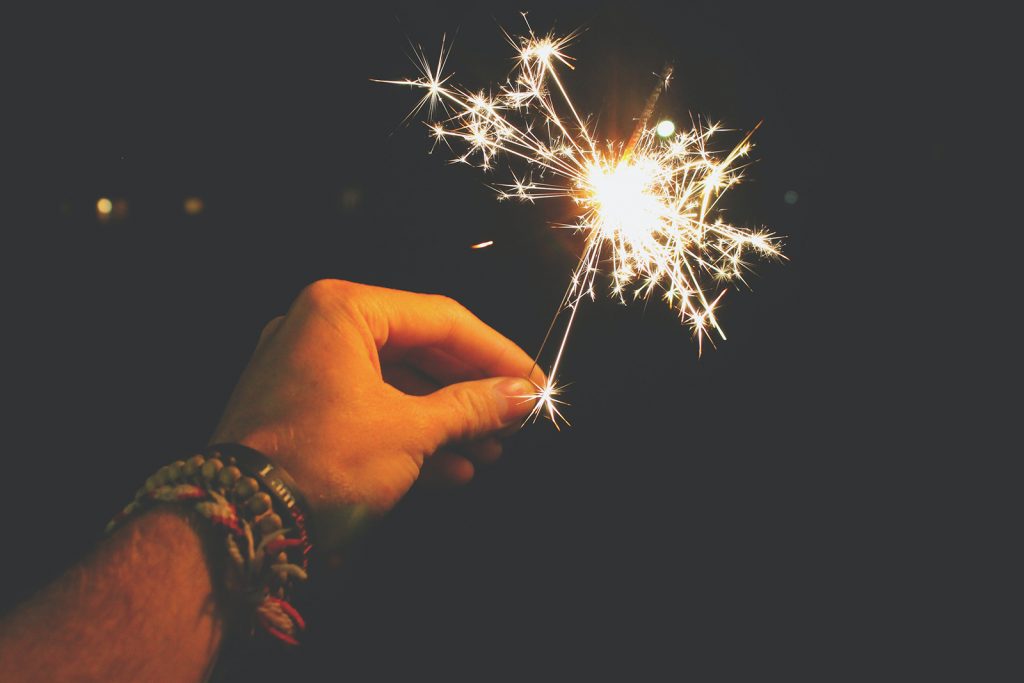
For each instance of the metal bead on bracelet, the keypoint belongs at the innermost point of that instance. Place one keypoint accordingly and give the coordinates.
(256, 504)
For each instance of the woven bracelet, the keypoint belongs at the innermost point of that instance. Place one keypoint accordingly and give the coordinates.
(262, 515)
(275, 480)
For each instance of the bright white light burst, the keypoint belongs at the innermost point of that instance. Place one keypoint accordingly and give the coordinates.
(647, 207)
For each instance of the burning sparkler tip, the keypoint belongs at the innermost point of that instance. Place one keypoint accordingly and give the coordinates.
(648, 207)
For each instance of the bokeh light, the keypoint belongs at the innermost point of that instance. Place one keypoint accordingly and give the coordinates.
(194, 205)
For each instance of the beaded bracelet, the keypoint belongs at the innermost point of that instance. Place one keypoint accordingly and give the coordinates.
(237, 489)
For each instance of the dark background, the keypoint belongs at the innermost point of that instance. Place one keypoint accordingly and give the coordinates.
(757, 509)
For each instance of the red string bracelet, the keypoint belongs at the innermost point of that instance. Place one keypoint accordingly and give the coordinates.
(261, 514)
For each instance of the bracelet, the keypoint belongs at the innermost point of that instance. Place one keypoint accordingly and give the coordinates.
(248, 498)
(276, 481)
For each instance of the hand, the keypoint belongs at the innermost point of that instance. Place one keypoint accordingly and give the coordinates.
(358, 390)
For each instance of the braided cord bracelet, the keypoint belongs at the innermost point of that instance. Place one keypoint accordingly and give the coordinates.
(256, 505)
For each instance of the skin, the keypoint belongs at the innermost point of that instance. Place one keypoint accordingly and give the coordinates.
(358, 392)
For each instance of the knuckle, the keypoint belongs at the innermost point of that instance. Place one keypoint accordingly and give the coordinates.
(272, 323)
(449, 304)
(451, 311)
(324, 292)
(271, 327)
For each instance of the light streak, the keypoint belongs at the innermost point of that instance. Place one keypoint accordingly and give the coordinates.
(647, 209)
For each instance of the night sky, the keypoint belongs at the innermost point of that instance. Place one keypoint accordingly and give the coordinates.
(748, 511)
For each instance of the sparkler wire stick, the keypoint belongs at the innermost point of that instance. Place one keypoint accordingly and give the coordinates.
(647, 208)
(645, 115)
(641, 126)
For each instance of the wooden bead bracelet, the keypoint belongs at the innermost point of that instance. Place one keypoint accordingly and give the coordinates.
(242, 493)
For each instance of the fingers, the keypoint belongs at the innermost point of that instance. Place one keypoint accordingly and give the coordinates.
(441, 366)
(447, 468)
(471, 410)
(398, 322)
(485, 451)
(408, 380)
(402, 321)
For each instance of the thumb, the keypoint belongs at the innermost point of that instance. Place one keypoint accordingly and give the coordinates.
(469, 410)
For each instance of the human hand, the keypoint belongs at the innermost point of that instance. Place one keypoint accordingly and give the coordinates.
(359, 390)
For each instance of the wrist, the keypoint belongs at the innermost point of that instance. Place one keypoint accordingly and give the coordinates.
(255, 536)
(288, 501)
(334, 520)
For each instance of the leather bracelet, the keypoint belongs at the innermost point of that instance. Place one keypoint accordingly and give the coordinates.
(276, 480)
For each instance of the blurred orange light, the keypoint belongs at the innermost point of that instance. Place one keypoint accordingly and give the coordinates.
(104, 206)
(194, 205)
(482, 245)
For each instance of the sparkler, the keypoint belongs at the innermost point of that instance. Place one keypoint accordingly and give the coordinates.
(647, 208)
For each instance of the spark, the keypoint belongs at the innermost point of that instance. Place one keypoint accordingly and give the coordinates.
(647, 209)
(482, 245)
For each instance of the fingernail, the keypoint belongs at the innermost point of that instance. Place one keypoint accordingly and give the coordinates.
(516, 394)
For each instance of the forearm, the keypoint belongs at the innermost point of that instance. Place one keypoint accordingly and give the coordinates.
(140, 608)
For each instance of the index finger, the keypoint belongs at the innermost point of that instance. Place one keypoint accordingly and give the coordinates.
(402, 321)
